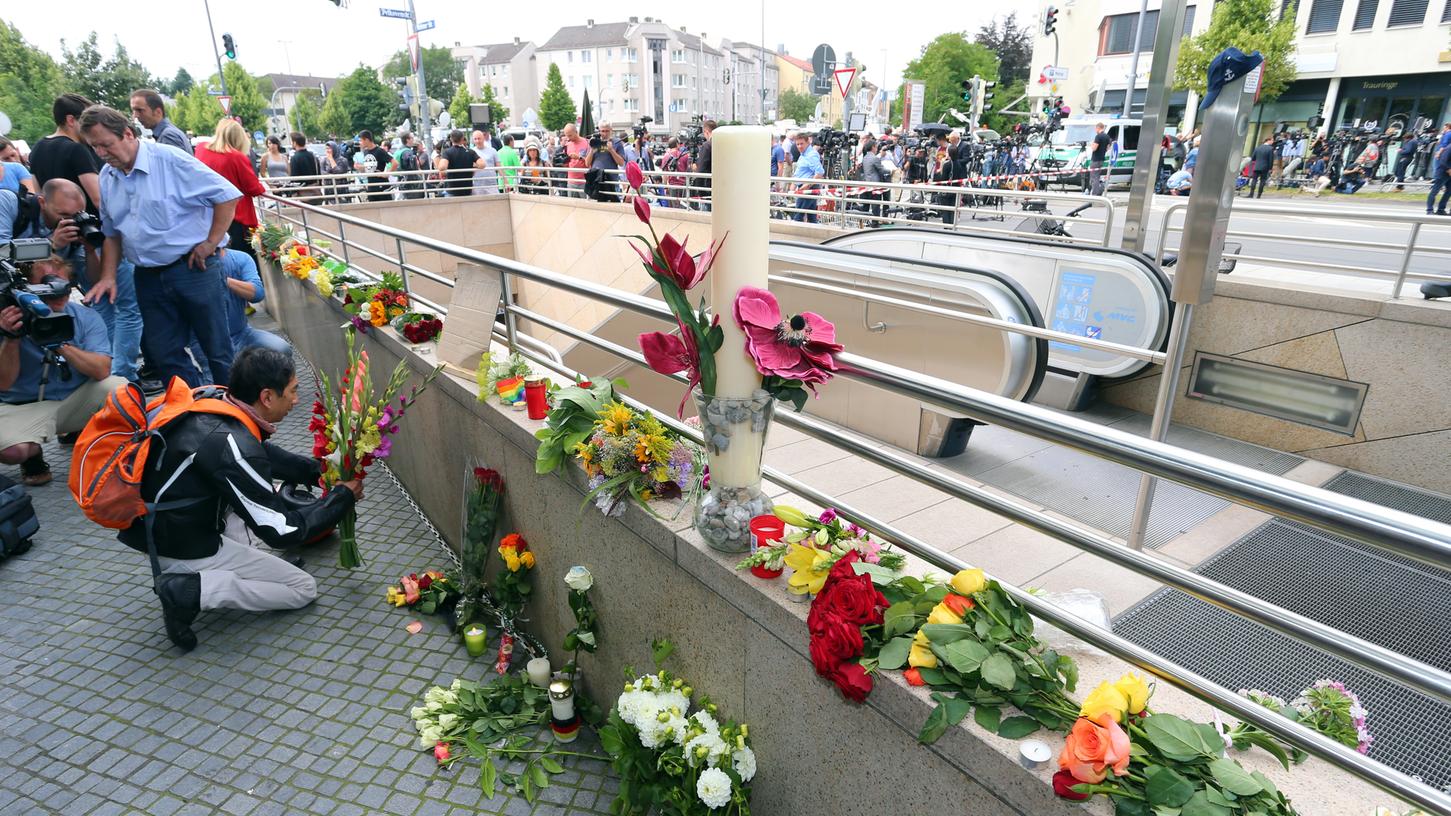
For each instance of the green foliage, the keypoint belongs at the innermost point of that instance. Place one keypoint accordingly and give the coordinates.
(1012, 43)
(248, 103)
(482, 508)
(459, 107)
(306, 114)
(181, 83)
(570, 422)
(944, 63)
(335, 118)
(1249, 25)
(29, 82)
(360, 102)
(197, 111)
(996, 119)
(101, 79)
(794, 104)
(442, 74)
(556, 106)
(496, 108)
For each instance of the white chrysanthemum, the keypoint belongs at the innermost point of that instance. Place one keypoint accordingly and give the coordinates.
(714, 747)
(744, 761)
(714, 788)
(672, 699)
(706, 722)
(652, 732)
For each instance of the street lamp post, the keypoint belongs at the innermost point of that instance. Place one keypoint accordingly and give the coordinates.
(221, 75)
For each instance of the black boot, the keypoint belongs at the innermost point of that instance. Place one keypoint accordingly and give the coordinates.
(181, 600)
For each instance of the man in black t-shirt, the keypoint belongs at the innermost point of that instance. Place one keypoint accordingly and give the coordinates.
(63, 155)
(459, 161)
(1101, 142)
(304, 163)
(375, 163)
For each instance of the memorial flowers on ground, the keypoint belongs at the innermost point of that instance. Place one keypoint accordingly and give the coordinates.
(815, 546)
(483, 505)
(428, 592)
(631, 456)
(1326, 706)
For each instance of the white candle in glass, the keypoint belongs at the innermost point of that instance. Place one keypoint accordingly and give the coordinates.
(740, 195)
(561, 700)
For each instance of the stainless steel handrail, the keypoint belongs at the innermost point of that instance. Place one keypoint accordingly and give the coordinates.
(1400, 532)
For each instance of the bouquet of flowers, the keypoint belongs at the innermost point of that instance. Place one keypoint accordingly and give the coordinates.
(676, 762)
(352, 427)
(676, 272)
(271, 241)
(483, 505)
(816, 545)
(1327, 706)
(631, 455)
(418, 327)
(299, 262)
(511, 585)
(1147, 762)
(377, 304)
(571, 421)
(503, 377)
(428, 592)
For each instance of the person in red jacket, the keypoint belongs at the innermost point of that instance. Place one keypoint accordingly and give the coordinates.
(226, 154)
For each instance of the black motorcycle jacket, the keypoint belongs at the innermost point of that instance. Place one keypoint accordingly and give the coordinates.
(216, 459)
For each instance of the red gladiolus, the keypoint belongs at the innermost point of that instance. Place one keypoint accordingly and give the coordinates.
(634, 176)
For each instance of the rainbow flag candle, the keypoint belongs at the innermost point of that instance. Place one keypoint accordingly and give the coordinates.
(510, 390)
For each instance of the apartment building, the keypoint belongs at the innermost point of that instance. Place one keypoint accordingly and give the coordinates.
(509, 68)
(756, 108)
(1357, 61)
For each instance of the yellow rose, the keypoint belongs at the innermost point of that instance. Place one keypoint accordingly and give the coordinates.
(1134, 690)
(921, 656)
(511, 560)
(968, 581)
(527, 559)
(1106, 699)
(941, 613)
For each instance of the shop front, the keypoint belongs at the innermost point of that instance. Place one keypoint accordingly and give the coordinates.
(1390, 100)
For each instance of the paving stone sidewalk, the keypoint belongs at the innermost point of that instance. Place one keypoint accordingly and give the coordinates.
(301, 712)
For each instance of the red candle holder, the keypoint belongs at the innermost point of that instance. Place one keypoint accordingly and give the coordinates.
(536, 397)
(767, 530)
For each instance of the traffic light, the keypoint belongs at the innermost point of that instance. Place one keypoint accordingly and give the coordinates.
(405, 94)
(984, 93)
(968, 86)
(1050, 20)
(229, 46)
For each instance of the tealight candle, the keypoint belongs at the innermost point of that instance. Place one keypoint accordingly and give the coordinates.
(1033, 754)
(538, 670)
(474, 640)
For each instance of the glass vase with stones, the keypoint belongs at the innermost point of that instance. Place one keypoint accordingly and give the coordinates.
(734, 430)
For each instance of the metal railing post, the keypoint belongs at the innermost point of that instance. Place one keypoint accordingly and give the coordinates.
(511, 323)
(1162, 416)
(1406, 260)
(343, 239)
(403, 267)
(306, 230)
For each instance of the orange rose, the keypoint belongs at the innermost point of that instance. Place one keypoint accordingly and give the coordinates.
(958, 604)
(1094, 747)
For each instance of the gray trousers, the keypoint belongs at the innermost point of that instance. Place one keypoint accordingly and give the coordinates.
(1096, 179)
(241, 576)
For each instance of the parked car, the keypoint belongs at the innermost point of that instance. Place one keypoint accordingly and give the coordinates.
(1070, 145)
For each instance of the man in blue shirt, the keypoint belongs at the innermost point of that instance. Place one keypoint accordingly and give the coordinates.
(29, 417)
(807, 167)
(13, 176)
(1440, 173)
(244, 286)
(150, 110)
(778, 155)
(168, 214)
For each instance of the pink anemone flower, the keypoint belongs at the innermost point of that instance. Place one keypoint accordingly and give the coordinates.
(796, 347)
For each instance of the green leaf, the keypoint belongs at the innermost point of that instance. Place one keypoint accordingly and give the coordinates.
(488, 777)
(966, 656)
(1234, 778)
(932, 677)
(1265, 783)
(894, 653)
(526, 786)
(945, 633)
(611, 741)
(1179, 740)
(898, 619)
(1168, 788)
(1269, 744)
(1200, 805)
(957, 707)
(997, 670)
(935, 726)
(1017, 727)
(988, 717)
(540, 777)
(660, 651)
(1221, 798)
(551, 765)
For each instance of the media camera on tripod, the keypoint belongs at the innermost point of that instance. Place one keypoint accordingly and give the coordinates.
(48, 329)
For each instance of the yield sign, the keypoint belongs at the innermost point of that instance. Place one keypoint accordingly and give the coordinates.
(226, 103)
(842, 83)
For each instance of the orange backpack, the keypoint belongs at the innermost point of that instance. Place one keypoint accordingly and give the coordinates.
(110, 455)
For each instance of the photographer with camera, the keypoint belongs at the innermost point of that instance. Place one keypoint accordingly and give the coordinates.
(605, 157)
(874, 172)
(1440, 173)
(75, 374)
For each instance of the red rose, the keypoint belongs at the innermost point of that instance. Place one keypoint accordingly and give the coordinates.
(914, 677)
(822, 657)
(959, 605)
(425, 581)
(853, 680)
(1063, 783)
(843, 639)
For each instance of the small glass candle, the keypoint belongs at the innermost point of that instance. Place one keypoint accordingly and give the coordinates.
(536, 396)
(561, 700)
(766, 530)
(538, 670)
(475, 640)
(1034, 754)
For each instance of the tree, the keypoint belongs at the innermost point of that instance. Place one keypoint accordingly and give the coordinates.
(360, 102)
(335, 118)
(1249, 25)
(793, 104)
(458, 109)
(29, 82)
(441, 72)
(497, 111)
(197, 111)
(944, 64)
(307, 113)
(181, 83)
(1012, 43)
(107, 81)
(556, 107)
(248, 103)
(1004, 93)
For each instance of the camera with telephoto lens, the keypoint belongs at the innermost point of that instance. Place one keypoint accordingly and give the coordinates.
(90, 228)
(45, 327)
(560, 157)
(596, 141)
(640, 130)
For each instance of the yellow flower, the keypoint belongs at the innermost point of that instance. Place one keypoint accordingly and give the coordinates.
(1134, 690)
(527, 559)
(921, 656)
(790, 515)
(968, 581)
(585, 454)
(615, 418)
(1106, 699)
(511, 560)
(806, 573)
(942, 614)
(395, 596)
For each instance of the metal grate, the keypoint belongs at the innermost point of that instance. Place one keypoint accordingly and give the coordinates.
(1384, 599)
(1394, 495)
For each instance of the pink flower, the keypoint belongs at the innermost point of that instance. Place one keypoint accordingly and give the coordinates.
(670, 354)
(798, 347)
(634, 177)
(410, 589)
(680, 268)
(642, 207)
(441, 752)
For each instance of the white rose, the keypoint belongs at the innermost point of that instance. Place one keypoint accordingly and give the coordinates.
(579, 579)
(714, 788)
(744, 761)
(447, 721)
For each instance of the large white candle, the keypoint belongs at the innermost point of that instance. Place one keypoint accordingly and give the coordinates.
(740, 194)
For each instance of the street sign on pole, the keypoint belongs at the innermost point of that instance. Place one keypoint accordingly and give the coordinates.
(1055, 73)
(820, 85)
(823, 61)
(401, 14)
(425, 25)
(226, 103)
(912, 100)
(413, 52)
(844, 76)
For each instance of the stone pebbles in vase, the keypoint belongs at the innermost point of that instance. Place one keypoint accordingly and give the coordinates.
(734, 430)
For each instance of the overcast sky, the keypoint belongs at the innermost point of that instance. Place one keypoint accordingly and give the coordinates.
(315, 37)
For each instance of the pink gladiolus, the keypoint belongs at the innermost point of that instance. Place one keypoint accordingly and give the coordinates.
(642, 207)
(634, 177)
(669, 354)
(799, 347)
